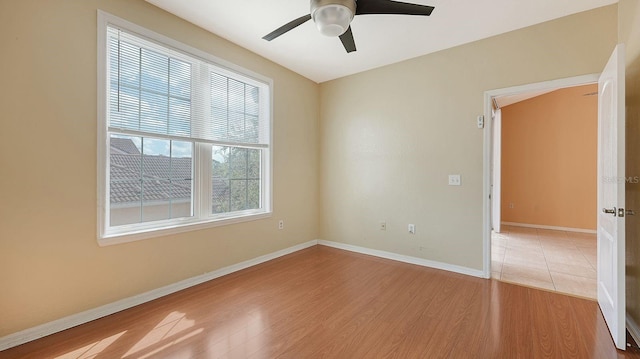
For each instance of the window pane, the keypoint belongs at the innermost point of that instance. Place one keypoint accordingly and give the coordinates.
(179, 117)
(129, 58)
(181, 154)
(181, 176)
(236, 126)
(181, 205)
(179, 79)
(124, 63)
(156, 204)
(238, 195)
(254, 164)
(220, 179)
(236, 182)
(149, 91)
(251, 100)
(220, 195)
(125, 202)
(155, 72)
(150, 179)
(236, 96)
(235, 109)
(254, 198)
(156, 162)
(154, 113)
(253, 194)
(238, 163)
(251, 129)
(219, 91)
(219, 122)
(125, 176)
(125, 108)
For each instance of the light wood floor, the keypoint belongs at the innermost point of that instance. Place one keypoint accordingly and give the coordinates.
(324, 302)
(554, 260)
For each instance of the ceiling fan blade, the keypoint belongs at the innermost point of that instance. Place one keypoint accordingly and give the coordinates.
(347, 40)
(367, 7)
(286, 27)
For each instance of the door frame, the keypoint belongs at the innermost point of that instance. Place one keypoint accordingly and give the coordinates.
(496, 169)
(488, 148)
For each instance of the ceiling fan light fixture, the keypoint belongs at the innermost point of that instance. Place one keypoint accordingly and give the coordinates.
(332, 17)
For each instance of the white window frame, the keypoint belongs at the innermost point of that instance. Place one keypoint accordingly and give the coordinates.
(202, 217)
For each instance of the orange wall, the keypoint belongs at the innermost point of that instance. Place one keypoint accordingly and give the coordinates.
(549, 158)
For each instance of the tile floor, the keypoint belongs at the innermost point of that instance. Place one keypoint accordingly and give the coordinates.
(555, 260)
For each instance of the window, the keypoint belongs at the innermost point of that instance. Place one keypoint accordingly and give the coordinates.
(184, 138)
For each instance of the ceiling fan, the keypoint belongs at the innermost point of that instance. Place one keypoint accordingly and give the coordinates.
(332, 17)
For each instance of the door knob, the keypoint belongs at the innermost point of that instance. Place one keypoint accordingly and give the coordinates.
(610, 211)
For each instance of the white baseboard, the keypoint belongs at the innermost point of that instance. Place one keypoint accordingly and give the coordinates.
(71, 321)
(403, 258)
(633, 329)
(555, 228)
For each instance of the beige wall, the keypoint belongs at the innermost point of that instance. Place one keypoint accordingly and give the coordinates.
(391, 136)
(549, 159)
(50, 263)
(629, 34)
(386, 142)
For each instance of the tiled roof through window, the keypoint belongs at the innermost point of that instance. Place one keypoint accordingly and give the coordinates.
(155, 178)
(123, 145)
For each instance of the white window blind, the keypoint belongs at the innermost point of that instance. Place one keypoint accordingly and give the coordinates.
(151, 92)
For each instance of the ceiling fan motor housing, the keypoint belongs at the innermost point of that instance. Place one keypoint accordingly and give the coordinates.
(332, 17)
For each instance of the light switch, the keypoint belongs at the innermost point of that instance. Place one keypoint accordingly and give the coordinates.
(454, 180)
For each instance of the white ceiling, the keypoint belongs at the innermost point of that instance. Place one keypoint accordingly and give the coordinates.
(380, 39)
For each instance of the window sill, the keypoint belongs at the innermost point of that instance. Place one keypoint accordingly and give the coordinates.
(113, 237)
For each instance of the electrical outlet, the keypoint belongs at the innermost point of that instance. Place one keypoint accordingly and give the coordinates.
(280, 224)
(383, 226)
(454, 180)
(412, 228)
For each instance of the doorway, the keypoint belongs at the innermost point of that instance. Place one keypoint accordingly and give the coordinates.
(537, 243)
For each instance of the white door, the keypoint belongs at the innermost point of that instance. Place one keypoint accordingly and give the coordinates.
(495, 171)
(611, 185)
